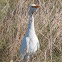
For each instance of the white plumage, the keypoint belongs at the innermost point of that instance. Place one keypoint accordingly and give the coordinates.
(30, 42)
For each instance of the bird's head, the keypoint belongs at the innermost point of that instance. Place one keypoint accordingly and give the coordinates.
(33, 8)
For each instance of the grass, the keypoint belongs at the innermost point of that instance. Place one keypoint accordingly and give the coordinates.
(13, 26)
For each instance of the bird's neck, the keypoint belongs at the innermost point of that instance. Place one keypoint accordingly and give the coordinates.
(31, 23)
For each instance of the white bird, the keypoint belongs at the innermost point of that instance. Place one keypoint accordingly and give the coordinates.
(30, 43)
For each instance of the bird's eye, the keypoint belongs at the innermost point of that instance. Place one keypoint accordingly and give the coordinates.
(32, 6)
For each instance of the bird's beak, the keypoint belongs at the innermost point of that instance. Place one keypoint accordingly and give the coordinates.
(36, 6)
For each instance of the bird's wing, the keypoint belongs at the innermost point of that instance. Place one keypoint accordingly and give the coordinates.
(23, 47)
(27, 40)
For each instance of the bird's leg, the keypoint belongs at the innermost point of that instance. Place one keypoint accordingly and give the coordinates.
(27, 57)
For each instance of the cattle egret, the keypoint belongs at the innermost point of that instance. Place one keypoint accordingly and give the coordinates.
(30, 43)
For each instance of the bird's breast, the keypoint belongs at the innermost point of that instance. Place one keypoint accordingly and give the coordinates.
(33, 40)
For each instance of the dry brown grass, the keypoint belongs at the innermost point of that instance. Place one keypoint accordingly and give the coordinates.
(48, 26)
